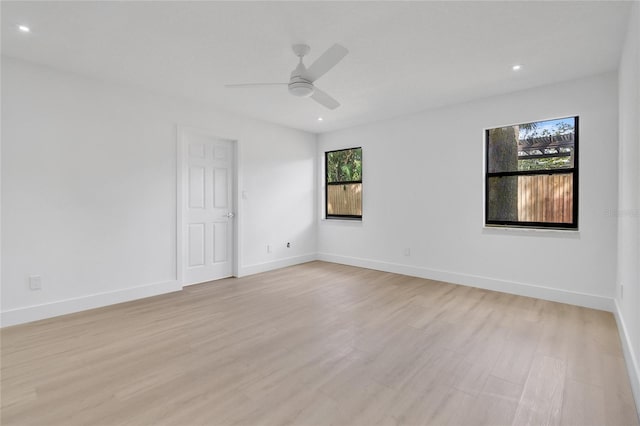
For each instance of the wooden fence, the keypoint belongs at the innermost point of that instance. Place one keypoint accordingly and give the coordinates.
(545, 198)
(541, 198)
(344, 199)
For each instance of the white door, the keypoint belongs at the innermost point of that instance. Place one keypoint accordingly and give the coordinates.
(208, 213)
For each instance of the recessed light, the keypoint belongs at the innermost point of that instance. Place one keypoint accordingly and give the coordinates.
(24, 29)
(516, 67)
(320, 118)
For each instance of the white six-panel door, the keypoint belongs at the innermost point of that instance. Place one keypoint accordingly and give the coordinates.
(208, 213)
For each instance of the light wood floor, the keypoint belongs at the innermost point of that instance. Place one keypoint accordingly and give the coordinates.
(319, 344)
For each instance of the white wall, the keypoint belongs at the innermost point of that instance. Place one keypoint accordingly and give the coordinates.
(628, 212)
(89, 190)
(423, 185)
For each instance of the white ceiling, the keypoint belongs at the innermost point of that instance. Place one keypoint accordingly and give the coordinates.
(404, 56)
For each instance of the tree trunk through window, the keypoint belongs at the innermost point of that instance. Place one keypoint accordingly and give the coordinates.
(503, 156)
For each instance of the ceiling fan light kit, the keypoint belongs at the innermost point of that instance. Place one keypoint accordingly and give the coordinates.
(301, 88)
(301, 82)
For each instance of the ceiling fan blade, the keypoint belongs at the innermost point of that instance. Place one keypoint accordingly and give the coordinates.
(325, 62)
(241, 86)
(324, 99)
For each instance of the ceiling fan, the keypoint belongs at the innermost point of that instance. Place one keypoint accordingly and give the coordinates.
(302, 78)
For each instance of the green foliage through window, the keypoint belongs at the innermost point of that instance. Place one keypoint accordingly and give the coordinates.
(344, 165)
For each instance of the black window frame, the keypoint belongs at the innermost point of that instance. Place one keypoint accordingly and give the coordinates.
(573, 226)
(327, 183)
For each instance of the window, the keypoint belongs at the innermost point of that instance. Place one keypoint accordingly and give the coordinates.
(343, 175)
(532, 175)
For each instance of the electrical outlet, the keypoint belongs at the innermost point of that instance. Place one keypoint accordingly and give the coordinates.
(35, 282)
(268, 248)
(407, 252)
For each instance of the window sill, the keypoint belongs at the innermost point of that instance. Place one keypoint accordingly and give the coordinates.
(505, 230)
(342, 220)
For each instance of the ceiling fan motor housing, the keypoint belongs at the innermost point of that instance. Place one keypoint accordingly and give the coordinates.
(300, 87)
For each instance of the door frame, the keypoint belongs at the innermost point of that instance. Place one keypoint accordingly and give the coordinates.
(181, 214)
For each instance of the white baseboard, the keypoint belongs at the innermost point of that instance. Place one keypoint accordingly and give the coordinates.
(275, 264)
(630, 357)
(68, 306)
(504, 286)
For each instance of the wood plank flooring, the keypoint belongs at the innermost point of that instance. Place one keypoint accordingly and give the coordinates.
(319, 344)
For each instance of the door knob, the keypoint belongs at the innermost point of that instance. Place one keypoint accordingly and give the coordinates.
(230, 215)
